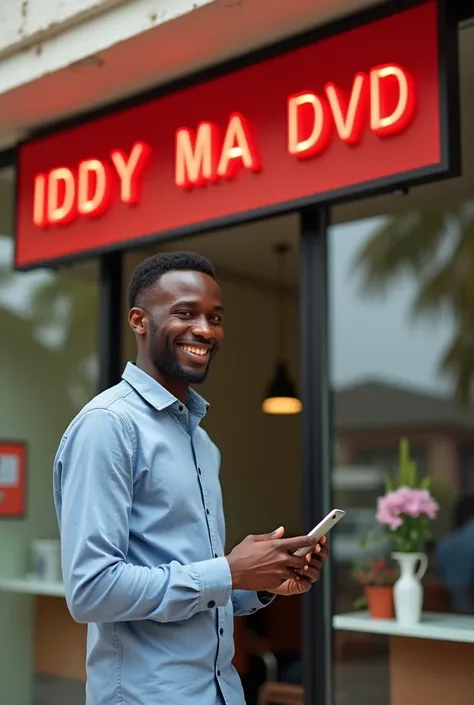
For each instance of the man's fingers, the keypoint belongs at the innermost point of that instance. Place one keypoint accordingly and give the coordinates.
(324, 551)
(297, 542)
(277, 534)
(296, 562)
(311, 574)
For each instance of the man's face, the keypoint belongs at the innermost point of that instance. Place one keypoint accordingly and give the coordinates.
(183, 324)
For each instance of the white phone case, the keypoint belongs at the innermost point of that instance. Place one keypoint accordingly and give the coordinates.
(322, 529)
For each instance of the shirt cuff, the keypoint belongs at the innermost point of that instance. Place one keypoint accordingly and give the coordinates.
(265, 597)
(215, 581)
(249, 601)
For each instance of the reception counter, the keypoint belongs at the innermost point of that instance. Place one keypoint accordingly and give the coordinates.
(431, 662)
(60, 642)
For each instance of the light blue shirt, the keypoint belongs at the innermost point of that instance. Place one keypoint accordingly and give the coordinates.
(139, 506)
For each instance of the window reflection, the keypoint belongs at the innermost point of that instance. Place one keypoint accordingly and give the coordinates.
(48, 371)
(402, 316)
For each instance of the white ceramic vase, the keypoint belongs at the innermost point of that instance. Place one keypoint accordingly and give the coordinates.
(408, 590)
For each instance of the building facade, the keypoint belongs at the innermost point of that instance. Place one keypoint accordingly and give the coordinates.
(229, 128)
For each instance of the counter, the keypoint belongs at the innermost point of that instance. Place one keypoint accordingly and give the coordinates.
(432, 661)
(29, 586)
(60, 642)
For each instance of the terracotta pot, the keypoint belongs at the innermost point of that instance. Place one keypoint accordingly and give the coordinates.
(380, 602)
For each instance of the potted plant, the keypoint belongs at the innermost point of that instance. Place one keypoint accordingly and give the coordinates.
(377, 579)
(406, 511)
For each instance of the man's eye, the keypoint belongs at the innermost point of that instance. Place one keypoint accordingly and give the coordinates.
(216, 319)
(185, 314)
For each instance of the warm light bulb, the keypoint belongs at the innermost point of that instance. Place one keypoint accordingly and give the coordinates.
(282, 405)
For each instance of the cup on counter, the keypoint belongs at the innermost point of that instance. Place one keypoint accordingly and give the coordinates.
(46, 560)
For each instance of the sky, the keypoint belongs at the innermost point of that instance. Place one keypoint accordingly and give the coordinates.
(375, 337)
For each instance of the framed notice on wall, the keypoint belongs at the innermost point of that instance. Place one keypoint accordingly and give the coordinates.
(12, 479)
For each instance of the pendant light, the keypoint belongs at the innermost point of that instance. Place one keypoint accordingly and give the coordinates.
(281, 396)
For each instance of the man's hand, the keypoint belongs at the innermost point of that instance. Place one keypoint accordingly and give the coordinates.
(265, 562)
(304, 579)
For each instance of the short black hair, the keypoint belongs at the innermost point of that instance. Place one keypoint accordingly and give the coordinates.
(150, 271)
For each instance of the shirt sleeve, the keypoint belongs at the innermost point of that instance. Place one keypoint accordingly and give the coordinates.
(247, 602)
(94, 479)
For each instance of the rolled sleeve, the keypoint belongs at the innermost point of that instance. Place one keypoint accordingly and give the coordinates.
(216, 582)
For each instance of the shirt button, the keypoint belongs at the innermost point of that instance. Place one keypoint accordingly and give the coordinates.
(218, 673)
(215, 555)
(207, 511)
(211, 604)
(199, 470)
(181, 407)
(221, 631)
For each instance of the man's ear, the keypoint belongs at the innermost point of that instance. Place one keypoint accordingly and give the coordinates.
(138, 320)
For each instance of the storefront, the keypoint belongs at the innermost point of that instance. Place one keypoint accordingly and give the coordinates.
(363, 107)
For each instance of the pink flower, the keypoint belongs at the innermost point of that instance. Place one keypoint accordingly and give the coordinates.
(405, 500)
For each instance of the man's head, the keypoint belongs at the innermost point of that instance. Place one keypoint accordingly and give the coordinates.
(176, 313)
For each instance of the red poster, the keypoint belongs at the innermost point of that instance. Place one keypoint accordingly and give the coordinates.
(12, 479)
(353, 113)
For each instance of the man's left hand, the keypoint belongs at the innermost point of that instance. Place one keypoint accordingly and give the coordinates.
(304, 579)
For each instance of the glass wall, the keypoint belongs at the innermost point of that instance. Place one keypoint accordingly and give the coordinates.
(401, 322)
(48, 370)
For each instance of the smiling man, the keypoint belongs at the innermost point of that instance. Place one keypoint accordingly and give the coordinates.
(137, 494)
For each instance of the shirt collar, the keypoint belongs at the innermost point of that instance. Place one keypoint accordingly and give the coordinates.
(159, 397)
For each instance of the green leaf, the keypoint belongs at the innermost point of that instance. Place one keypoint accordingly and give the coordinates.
(389, 484)
(360, 603)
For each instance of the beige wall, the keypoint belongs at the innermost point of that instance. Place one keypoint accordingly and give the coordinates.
(260, 454)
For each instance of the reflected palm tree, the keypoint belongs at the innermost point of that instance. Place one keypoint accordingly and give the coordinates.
(436, 249)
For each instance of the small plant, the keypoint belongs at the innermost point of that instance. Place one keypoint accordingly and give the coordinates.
(407, 508)
(378, 573)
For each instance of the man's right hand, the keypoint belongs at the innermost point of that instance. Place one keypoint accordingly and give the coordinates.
(263, 562)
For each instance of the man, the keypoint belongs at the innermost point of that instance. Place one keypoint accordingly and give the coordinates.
(139, 506)
(455, 557)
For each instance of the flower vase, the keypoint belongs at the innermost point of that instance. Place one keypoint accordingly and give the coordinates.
(408, 590)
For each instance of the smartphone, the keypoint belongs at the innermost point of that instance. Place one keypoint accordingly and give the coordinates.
(322, 528)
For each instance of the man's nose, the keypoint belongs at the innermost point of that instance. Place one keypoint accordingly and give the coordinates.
(203, 329)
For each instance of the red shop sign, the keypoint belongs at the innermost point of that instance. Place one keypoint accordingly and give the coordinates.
(359, 111)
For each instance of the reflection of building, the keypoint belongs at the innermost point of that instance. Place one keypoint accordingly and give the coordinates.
(370, 418)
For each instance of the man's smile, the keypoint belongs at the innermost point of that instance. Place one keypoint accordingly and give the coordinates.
(196, 351)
